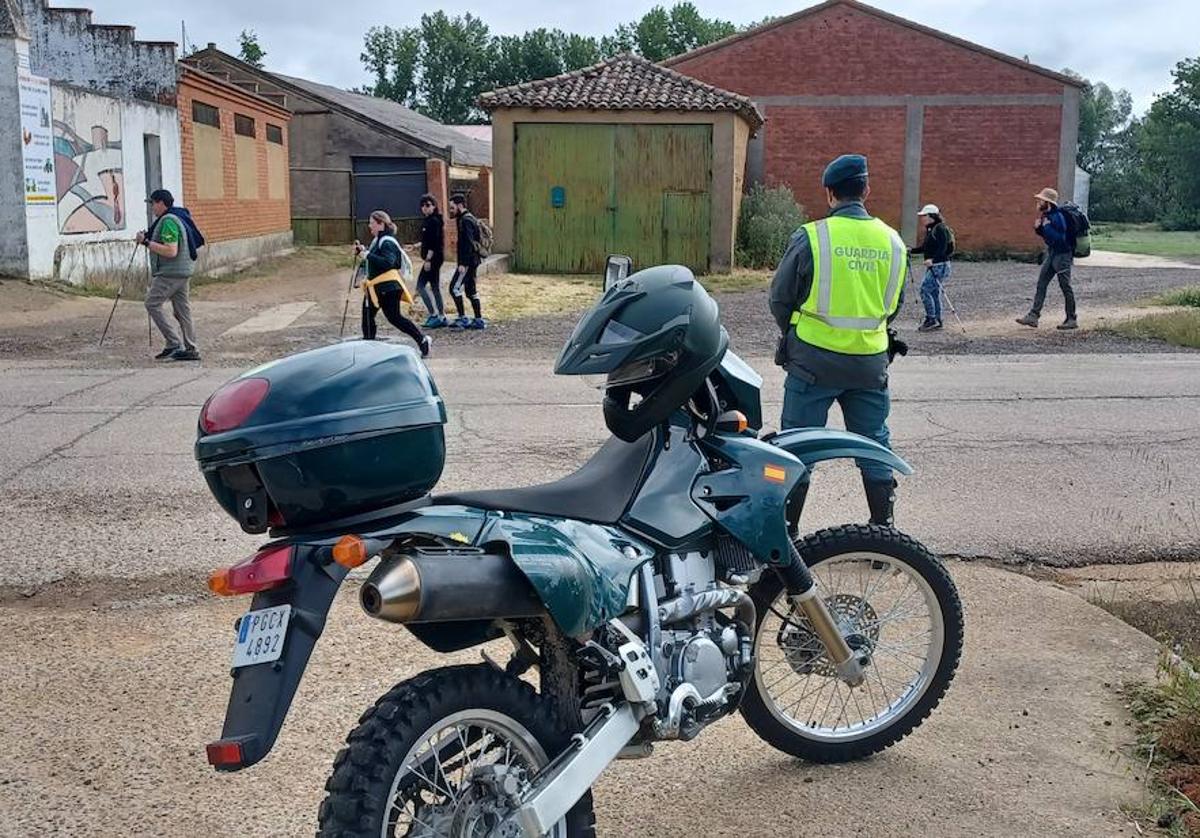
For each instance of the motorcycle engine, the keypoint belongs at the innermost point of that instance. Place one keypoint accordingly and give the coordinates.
(695, 659)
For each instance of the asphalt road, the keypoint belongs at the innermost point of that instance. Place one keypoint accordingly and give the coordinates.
(1059, 459)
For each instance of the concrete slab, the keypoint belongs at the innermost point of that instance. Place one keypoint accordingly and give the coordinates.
(1112, 259)
(272, 320)
(1032, 738)
(30, 439)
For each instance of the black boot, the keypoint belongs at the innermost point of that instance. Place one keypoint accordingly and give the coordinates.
(881, 498)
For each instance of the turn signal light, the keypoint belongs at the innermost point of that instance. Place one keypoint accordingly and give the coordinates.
(733, 421)
(268, 568)
(350, 551)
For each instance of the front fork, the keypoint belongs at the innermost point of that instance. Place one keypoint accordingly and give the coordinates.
(804, 595)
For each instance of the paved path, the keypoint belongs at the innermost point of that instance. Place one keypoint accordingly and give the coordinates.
(108, 707)
(1070, 459)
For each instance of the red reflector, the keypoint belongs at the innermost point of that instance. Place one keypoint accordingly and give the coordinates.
(224, 752)
(230, 406)
(267, 568)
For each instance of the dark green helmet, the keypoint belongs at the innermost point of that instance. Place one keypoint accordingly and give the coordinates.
(656, 335)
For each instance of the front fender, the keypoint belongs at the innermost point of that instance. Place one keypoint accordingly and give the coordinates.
(812, 445)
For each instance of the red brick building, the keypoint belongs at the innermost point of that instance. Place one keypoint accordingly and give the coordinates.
(940, 119)
(233, 149)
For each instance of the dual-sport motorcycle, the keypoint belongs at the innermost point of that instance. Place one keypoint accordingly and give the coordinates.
(655, 590)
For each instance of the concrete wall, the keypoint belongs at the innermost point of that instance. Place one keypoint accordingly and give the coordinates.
(92, 243)
(940, 122)
(729, 155)
(67, 47)
(14, 253)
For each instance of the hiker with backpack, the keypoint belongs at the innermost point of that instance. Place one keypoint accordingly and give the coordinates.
(1065, 231)
(387, 267)
(937, 248)
(474, 243)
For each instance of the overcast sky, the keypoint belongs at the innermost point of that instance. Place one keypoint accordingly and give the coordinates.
(1126, 44)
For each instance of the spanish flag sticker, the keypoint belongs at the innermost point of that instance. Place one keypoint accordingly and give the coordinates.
(776, 474)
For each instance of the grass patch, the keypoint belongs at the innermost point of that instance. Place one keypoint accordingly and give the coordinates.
(1182, 297)
(744, 280)
(1146, 239)
(1178, 328)
(513, 296)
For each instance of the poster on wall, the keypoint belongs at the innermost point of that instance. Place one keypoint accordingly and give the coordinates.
(88, 163)
(37, 139)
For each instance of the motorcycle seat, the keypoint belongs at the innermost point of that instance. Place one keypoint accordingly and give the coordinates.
(599, 491)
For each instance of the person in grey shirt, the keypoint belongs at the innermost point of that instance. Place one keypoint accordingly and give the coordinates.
(172, 262)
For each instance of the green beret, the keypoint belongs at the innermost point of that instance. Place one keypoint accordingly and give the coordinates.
(844, 168)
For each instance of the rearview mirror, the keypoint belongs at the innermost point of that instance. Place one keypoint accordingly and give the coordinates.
(616, 268)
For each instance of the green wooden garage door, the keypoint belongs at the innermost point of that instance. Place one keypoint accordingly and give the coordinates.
(584, 191)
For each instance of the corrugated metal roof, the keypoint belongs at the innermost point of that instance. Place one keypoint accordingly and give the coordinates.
(624, 83)
(466, 150)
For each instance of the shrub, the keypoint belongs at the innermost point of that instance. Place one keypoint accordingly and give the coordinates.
(765, 224)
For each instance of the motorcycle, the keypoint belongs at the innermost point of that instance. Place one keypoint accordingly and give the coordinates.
(660, 587)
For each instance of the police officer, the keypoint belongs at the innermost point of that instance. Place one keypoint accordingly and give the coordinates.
(839, 285)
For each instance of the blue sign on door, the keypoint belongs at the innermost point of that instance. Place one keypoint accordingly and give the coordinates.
(558, 197)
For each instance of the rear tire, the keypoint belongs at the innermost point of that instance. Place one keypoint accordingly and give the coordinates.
(370, 773)
(764, 708)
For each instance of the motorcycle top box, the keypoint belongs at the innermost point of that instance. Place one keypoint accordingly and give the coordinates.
(322, 435)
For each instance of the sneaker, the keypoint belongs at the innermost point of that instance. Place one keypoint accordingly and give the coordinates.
(431, 322)
(1067, 325)
(426, 345)
(929, 325)
(1030, 320)
(185, 355)
(463, 322)
(478, 324)
(167, 352)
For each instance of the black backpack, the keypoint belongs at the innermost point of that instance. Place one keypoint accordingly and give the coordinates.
(1078, 229)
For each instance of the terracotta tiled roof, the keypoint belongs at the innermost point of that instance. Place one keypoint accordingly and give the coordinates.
(624, 83)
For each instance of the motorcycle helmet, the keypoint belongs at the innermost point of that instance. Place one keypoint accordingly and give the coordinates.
(656, 335)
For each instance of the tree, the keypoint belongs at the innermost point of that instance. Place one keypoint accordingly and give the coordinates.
(249, 50)
(1170, 147)
(662, 33)
(456, 67)
(392, 57)
(1103, 113)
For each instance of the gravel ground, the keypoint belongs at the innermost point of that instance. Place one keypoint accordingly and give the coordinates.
(988, 295)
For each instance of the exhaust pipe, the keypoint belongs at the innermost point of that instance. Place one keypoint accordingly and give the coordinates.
(429, 586)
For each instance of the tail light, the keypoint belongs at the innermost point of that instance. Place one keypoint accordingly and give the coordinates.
(224, 753)
(230, 406)
(268, 568)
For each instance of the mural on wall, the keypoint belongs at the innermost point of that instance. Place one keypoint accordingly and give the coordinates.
(88, 163)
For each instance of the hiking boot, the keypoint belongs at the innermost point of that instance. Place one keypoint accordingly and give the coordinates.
(1067, 325)
(930, 325)
(881, 500)
(463, 322)
(426, 345)
(185, 355)
(478, 324)
(167, 352)
(1030, 320)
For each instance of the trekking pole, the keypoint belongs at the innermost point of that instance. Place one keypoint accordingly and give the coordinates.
(349, 289)
(149, 332)
(120, 290)
(950, 305)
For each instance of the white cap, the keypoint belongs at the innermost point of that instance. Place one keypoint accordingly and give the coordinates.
(930, 209)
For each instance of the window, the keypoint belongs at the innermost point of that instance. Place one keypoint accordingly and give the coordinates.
(206, 114)
(274, 134)
(243, 125)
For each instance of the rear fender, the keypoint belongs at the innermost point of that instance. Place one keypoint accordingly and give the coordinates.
(814, 445)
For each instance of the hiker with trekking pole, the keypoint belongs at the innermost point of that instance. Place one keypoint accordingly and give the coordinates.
(172, 241)
(937, 247)
(384, 289)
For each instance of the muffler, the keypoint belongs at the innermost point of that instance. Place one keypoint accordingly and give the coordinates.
(436, 586)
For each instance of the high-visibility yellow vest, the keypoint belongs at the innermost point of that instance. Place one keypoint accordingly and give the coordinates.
(858, 271)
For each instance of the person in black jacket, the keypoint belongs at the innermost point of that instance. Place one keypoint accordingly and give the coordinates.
(468, 263)
(433, 252)
(936, 247)
(383, 288)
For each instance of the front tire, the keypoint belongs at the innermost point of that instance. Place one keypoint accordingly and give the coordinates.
(414, 764)
(892, 596)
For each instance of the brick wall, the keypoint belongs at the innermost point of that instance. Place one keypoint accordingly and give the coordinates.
(799, 141)
(437, 182)
(979, 163)
(231, 217)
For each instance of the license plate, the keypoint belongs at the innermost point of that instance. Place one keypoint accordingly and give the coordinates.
(261, 635)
